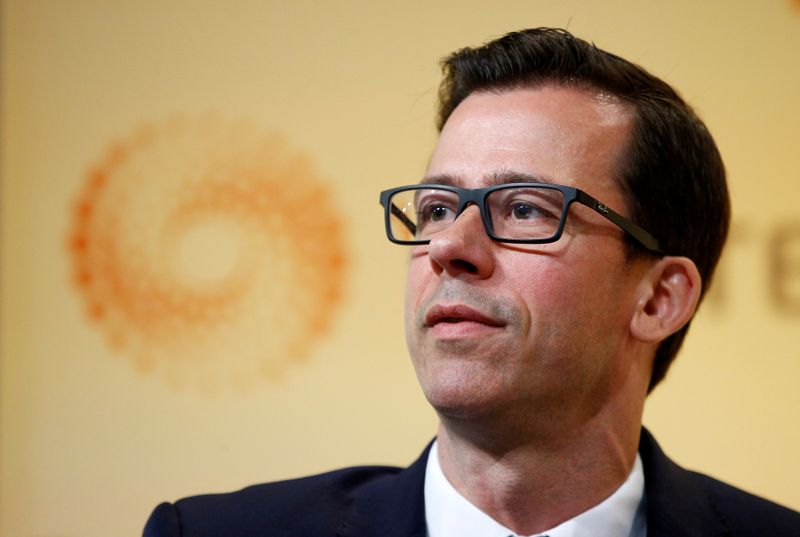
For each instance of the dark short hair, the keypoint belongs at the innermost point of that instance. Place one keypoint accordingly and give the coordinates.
(671, 173)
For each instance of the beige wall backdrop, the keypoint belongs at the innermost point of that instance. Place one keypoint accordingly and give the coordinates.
(196, 291)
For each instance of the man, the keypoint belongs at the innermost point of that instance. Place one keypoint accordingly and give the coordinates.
(570, 219)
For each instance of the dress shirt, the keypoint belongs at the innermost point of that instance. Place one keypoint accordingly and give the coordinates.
(448, 513)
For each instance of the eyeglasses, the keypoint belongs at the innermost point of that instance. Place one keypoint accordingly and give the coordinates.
(522, 213)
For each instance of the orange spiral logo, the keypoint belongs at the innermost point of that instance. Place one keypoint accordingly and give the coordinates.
(208, 252)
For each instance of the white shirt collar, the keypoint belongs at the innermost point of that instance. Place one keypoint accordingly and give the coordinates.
(448, 513)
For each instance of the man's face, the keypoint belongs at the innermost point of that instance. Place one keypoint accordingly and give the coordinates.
(493, 327)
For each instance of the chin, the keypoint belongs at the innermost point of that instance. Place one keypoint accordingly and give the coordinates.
(462, 400)
(461, 387)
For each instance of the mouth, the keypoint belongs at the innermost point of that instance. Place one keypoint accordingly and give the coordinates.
(458, 314)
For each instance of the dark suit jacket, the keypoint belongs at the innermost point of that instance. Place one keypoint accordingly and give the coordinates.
(380, 501)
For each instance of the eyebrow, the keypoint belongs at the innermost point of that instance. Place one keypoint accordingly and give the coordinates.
(500, 177)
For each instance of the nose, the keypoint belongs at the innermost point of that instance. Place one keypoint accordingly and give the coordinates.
(463, 249)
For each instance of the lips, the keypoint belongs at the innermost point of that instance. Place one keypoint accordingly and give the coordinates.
(458, 313)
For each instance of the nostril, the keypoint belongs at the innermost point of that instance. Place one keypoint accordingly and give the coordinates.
(462, 265)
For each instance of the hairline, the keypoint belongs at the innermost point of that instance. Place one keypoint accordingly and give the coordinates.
(598, 93)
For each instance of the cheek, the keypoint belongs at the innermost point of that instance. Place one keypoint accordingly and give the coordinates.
(542, 286)
(418, 273)
(563, 296)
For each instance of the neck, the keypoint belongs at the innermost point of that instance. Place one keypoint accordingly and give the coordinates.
(543, 473)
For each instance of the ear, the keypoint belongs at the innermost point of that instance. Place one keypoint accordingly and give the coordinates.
(668, 296)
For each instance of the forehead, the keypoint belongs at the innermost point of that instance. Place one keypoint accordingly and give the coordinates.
(552, 134)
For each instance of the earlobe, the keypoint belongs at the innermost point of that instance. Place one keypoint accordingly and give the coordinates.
(668, 297)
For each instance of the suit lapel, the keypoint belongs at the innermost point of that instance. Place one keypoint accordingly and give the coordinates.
(677, 502)
(393, 506)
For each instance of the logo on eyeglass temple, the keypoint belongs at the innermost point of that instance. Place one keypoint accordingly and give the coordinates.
(210, 254)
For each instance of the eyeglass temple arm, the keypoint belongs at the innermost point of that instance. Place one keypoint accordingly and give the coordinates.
(633, 229)
(395, 210)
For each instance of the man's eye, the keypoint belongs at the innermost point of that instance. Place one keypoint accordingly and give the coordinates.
(438, 213)
(434, 213)
(525, 211)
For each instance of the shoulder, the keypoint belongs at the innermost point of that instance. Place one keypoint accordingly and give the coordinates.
(683, 502)
(305, 506)
(745, 513)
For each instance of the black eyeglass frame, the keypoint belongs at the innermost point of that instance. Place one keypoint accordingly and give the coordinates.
(478, 197)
